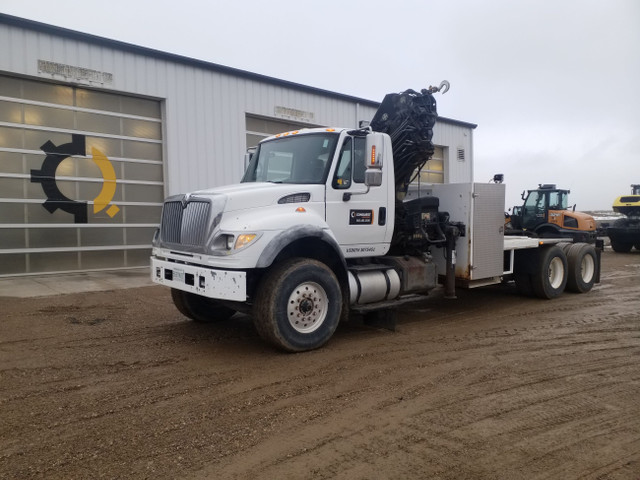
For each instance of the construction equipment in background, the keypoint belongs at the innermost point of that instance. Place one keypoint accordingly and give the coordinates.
(545, 213)
(625, 232)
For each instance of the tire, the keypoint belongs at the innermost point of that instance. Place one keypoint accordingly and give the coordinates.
(582, 262)
(620, 247)
(298, 305)
(550, 275)
(200, 309)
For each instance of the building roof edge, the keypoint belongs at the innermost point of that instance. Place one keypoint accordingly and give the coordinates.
(173, 57)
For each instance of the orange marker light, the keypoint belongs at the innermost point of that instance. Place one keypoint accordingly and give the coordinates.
(300, 210)
(373, 155)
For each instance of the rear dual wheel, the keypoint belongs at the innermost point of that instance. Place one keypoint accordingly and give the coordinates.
(582, 262)
(549, 277)
(546, 272)
(541, 272)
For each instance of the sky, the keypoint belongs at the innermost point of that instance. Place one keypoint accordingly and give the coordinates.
(553, 85)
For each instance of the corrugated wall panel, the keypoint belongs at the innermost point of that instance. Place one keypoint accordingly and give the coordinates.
(454, 137)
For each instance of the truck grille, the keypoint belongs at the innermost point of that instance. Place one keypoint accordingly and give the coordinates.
(185, 226)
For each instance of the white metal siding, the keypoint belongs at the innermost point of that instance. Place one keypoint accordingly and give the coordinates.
(453, 137)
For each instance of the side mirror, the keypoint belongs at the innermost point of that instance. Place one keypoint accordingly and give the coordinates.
(522, 195)
(373, 177)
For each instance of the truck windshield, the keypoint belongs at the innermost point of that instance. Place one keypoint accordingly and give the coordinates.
(301, 158)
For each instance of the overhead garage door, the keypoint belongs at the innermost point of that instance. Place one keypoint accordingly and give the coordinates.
(433, 170)
(259, 128)
(81, 178)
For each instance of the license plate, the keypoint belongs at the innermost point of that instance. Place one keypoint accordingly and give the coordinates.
(178, 275)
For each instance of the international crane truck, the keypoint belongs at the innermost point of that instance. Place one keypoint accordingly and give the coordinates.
(328, 221)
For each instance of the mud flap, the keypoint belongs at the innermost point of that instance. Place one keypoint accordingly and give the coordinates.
(384, 318)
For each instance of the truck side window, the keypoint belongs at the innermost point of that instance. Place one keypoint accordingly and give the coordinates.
(342, 177)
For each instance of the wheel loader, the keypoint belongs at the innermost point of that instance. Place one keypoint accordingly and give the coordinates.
(625, 232)
(545, 213)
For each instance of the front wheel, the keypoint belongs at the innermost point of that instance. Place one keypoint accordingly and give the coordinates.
(200, 309)
(550, 276)
(298, 305)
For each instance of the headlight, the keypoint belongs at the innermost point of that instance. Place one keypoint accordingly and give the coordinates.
(244, 240)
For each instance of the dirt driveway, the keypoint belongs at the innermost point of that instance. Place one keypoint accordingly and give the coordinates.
(490, 386)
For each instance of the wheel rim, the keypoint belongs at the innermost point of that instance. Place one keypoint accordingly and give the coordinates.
(556, 272)
(307, 307)
(587, 268)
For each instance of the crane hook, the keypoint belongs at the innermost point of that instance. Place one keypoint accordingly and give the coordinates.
(444, 87)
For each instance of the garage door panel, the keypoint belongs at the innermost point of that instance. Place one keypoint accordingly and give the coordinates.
(11, 162)
(74, 208)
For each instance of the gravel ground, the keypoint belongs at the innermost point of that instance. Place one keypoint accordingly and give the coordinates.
(492, 385)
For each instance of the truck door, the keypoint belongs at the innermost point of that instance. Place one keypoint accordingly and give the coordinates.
(357, 217)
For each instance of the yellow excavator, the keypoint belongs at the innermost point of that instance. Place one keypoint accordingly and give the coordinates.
(546, 213)
(625, 232)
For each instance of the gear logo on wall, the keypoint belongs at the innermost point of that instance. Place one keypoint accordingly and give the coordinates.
(46, 176)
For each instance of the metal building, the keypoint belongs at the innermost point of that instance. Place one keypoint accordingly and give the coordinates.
(94, 133)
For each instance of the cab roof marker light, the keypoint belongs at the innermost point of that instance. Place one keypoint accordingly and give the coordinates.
(331, 129)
